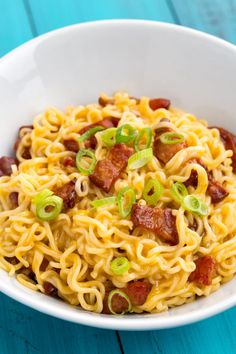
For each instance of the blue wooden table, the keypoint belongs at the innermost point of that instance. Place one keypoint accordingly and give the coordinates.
(25, 331)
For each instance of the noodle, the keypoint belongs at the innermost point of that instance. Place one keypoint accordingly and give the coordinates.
(78, 247)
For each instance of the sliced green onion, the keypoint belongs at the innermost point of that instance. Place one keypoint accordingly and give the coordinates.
(195, 205)
(144, 132)
(85, 153)
(152, 191)
(171, 138)
(42, 195)
(109, 137)
(120, 265)
(125, 134)
(125, 199)
(178, 191)
(101, 202)
(121, 294)
(140, 158)
(54, 205)
(89, 133)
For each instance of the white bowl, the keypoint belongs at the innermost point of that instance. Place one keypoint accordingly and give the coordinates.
(73, 65)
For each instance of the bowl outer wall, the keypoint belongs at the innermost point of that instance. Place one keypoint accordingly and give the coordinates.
(72, 66)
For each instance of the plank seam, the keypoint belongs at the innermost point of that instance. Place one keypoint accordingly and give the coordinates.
(173, 11)
(30, 18)
(119, 342)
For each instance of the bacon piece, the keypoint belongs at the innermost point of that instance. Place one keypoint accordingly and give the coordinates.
(68, 194)
(26, 153)
(193, 178)
(229, 141)
(71, 145)
(69, 161)
(216, 191)
(5, 165)
(137, 292)
(156, 103)
(50, 289)
(105, 101)
(107, 171)
(206, 268)
(13, 196)
(165, 152)
(15, 146)
(161, 221)
(106, 123)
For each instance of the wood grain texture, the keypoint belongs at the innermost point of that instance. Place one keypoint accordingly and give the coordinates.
(25, 331)
(53, 14)
(213, 336)
(217, 17)
(14, 25)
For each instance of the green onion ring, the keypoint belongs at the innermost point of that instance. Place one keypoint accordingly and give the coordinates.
(143, 132)
(152, 191)
(140, 158)
(54, 202)
(85, 153)
(178, 191)
(195, 205)
(120, 265)
(170, 138)
(101, 202)
(109, 137)
(125, 210)
(121, 294)
(89, 133)
(121, 137)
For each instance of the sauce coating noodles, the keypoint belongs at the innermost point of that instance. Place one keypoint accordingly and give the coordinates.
(74, 252)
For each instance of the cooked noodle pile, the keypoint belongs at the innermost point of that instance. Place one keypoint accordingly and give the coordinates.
(73, 253)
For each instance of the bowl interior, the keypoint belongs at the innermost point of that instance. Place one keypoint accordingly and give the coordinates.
(73, 65)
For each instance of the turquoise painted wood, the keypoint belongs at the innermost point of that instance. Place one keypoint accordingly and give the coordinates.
(14, 25)
(52, 14)
(23, 330)
(217, 17)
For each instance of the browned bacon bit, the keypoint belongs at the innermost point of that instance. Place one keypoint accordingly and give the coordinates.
(161, 221)
(107, 171)
(206, 268)
(12, 260)
(118, 304)
(137, 292)
(26, 153)
(15, 147)
(105, 123)
(5, 165)
(193, 178)
(44, 264)
(28, 272)
(229, 141)
(164, 152)
(193, 226)
(13, 196)
(49, 289)
(69, 161)
(156, 103)
(216, 191)
(68, 194)
(105, 101)
(71, 145)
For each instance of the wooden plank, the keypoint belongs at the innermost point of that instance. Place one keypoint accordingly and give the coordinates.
(52, 14)
(216, 17)
(12, 31)
(26, 331)
(213, 336)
